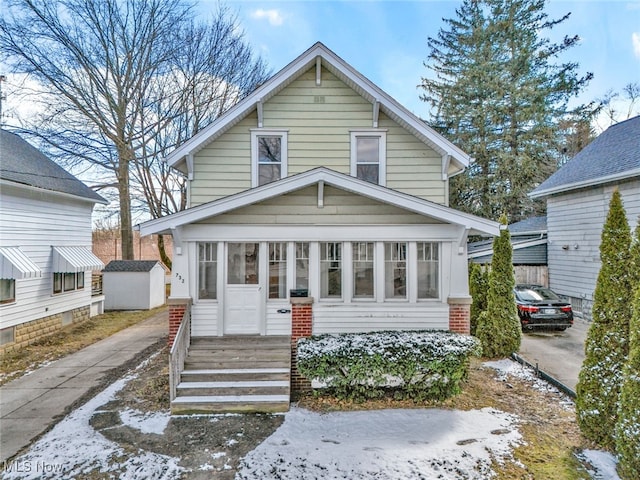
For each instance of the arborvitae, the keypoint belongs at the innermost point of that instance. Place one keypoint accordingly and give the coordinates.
(498, 327)
(607, 346)
(478, 287)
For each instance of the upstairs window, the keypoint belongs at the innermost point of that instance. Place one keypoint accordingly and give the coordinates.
(368, 156)
(269, 156)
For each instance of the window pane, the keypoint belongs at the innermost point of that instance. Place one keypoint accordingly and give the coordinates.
(7, 290)
(395, 270)
(268, 173)
(57, 282)
(69, 281)
(80, 280)
(208, 271)
(331, 270)
(278, 270)
(269, 149)
(302, 265)
(368, 149)
(369, 173)
(242, 264)
(362, 269)
(428, 270)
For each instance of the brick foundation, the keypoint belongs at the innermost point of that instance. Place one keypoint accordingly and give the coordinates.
(177, 309)
(30, 332)
(460, 315)
(301, 327)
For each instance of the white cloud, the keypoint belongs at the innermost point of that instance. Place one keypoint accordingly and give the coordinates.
(635, 40)
(273, 16)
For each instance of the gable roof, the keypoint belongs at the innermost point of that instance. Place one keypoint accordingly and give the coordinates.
(613, 155)
(529, 226)
(165, 225)
(22, 163)
(179, 158)
(131, 266)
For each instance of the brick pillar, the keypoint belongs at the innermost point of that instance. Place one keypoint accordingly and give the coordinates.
(460, 314)
(177, 309)
(301, 326)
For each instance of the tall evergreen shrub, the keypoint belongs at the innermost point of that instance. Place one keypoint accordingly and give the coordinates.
(498, 327)
(607, 346)
(628, 426)
(478, 287)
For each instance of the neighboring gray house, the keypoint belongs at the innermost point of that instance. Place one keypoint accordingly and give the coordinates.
(45, 245)
(578, 196)
(133, 284)
(529, 242)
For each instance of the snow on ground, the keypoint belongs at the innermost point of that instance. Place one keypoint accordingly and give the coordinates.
(603, 464)
(389, 444)
(73, 447)
(146, 422)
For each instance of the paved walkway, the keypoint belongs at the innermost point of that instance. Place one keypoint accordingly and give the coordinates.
(31, 404)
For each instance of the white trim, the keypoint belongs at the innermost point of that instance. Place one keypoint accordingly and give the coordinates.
(343, 71)
(311, 177)
(585, 183)
(376, 113)
(30, 188)
(381, 135)
(268, 132)
(318, 71)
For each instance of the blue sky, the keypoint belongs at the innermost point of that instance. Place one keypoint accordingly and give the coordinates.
(387, 40)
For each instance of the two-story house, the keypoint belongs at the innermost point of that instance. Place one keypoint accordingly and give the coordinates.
(321, 183)
(45, 245)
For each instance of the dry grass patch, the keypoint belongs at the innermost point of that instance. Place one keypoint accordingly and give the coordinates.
(547, 422)
(68, 340)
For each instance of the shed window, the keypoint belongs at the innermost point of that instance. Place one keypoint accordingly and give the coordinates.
(7, 290)
(207, 271)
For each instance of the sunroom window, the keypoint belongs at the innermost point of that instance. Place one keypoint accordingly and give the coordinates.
(395, 270)
(278, 270)
(428, 270)
(207, 271)
(331, 270)
(363, 269)
(302, 265)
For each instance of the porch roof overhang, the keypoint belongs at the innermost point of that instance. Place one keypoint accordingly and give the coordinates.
(75, 259)
(454, 159)
(16, 265)
(320, 176)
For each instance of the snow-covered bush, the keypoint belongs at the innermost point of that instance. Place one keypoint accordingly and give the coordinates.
(416, 365)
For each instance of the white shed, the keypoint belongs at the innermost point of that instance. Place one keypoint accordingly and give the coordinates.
(133, 285)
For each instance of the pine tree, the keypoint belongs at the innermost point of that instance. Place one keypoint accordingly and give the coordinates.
(628, 425)
(498, 327)
(497, 92)
(478, 287)
(607, 346)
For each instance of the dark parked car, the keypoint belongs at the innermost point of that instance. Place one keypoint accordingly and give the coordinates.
(539, 307)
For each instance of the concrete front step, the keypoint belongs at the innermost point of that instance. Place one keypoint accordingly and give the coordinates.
(240, 388)
(190, 364)
(239, 341)
(230, 403)
(233, 375)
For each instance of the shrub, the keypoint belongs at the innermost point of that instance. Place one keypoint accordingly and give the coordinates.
(606, 346)
(499, 329)
(417, 365)
(478, 287)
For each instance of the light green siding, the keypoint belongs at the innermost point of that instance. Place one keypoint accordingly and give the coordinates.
(319, 120)
(301, 208)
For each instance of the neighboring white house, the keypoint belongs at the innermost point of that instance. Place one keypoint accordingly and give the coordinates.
(578, 197)
(319, 182)
(133, 285)
(45, 245)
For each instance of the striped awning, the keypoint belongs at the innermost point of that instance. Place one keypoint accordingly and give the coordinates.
(14, 264)
(75, 259)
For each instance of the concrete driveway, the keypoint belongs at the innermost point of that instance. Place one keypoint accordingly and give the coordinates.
(560, 354)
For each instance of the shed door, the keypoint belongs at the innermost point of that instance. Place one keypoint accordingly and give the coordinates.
(243, 293)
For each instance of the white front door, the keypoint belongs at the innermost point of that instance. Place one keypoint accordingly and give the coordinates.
(243, 292)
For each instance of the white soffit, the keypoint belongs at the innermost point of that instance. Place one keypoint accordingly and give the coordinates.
(14, 264)
(75, 259)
